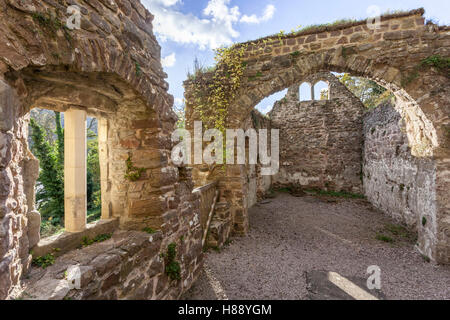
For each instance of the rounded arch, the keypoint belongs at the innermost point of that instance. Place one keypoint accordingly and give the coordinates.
(322, 90)
(306, 92)
(422, 91)
(109, 67)
(421, 130)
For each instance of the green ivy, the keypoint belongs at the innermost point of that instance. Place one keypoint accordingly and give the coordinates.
(133, 173)
(44, 261)
(173, 269)
(149, 230)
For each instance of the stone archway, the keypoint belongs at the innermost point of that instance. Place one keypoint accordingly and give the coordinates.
(394, 55)
(109, 68)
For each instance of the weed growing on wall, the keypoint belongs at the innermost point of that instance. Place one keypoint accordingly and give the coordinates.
(173, 269)
(227, 79)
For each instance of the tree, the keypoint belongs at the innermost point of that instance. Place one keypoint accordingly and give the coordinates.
(50, 189)
(93, 171)
(324, 94)
(48, 147)
(369, 92)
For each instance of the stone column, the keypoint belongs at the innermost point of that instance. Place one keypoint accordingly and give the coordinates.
(312, 92)
(75, 189)
(103, 152)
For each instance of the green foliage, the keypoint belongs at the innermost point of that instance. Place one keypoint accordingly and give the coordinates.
(47, 144)
(436, 61)
(93, 171)
(100, 238)
(424, 221)
(256, 76)
(340, 194)
(393, 233)
(212, 106)
(51, 24)
(441, 64)
(138, 68)
(369, 92)
(44, 261)
(149, 230)
(133, 173)
(324, 94)
(173, 269)
(180, 111)
(50, 191)
(384, 238)
(295, 54)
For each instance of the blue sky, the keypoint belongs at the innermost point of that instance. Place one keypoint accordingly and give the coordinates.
(187, 29)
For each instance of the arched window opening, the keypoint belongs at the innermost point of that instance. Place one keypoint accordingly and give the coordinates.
(266, 105)
(369, 92)
(305, 92)
(59, 141)
(321, 91)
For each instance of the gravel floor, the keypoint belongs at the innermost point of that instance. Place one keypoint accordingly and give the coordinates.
(291, 236)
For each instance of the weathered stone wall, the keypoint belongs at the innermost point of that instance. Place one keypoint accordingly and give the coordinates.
(320, 140)
(16, 171)
(395, 181)
(128, 266)
(111, 69)
(258, 184)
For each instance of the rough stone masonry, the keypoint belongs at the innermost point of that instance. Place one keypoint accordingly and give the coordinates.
(392, 55)
(110, 68)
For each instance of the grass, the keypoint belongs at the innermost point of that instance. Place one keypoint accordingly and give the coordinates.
(441, 64)
(384, 238)
(49, 229)
(100, 238)
(318, 27)
(149, 230)
(337, 194)
(395, 233)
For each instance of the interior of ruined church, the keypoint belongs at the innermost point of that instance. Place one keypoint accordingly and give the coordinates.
(93, 207)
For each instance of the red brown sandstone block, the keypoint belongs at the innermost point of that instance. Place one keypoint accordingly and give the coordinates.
(336, 33)
(291, 42)
(342, 40)
(311, 38)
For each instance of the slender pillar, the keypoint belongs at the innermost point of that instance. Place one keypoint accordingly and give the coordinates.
(75, 188)
(104, 167)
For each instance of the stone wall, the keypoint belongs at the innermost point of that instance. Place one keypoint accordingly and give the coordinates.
(390, 54)
(320, 140)
(395, 181)
(128, 266)
(258, 185)
(16, 195)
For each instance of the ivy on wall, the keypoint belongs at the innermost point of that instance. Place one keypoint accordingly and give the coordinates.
(212, 104)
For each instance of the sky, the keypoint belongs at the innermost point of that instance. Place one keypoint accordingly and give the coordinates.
(189, 29)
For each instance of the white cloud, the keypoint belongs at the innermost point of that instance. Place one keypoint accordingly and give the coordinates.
(216, 28)
(167, 3)
(169, 61)
(253, 19)
(222, 14)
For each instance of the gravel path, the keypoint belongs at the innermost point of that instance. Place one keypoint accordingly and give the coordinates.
(292, 237)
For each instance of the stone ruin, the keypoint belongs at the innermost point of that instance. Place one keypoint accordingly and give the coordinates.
(110, 69)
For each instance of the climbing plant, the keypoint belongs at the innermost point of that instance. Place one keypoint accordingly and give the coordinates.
(50, 191)
(212, 106)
